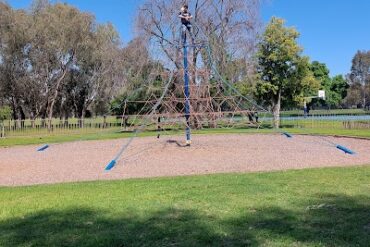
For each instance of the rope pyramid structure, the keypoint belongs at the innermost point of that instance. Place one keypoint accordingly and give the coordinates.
(211, 104)
(196, 98)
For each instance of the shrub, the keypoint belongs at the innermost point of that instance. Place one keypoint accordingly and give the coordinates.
(5, 113)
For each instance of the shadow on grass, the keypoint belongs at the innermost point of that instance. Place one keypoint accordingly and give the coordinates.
(288, 126)
(85, 227)
(335, 220)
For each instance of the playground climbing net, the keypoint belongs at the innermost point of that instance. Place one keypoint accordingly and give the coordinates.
(195, 98)
(212, 105)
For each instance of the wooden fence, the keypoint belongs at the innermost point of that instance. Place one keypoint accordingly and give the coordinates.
(356, 124)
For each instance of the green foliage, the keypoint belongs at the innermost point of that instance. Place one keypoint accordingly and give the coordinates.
(146, 78)
(319, 207)
(245, 88)
(359, 92)
(335, 88)
(360, 70)
(128, 102)
(281, 68)
(285, 77)
(5, 113)
(339, 87)
(57, 60)
(133, 101)
(321, 72)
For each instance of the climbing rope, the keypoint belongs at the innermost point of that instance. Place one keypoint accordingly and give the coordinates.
(217, 73)
(141, 127)
(225, 82)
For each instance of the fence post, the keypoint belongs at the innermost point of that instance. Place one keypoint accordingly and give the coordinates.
(105, 122)
(2, 133)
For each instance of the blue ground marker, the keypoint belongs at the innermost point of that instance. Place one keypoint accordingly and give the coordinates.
(111, 165)
(346, 150)
(43, 148)
(287, 135)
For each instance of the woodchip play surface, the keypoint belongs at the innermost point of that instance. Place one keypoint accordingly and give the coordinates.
(151, 157)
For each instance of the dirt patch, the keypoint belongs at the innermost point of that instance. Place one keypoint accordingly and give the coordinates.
(151, 157)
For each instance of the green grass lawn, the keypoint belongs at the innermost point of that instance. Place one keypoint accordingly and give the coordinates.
(319, 207)
(314, 126)
(327, 112)
(115, 134)
(365, 133)
(61, 137)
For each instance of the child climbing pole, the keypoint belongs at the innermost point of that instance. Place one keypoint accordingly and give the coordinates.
(186, 17)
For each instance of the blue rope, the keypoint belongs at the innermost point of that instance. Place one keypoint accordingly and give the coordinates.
(43, 148)
(112, 163)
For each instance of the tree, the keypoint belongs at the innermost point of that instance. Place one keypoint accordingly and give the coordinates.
(354, 96)
(56, 61)
(97, 68)
(230, 26)
(360, 75)
(284, 75)
(142, 75)
(5, 113)
(338, 88)
(335, 88)
(60, 33)
(14, 63)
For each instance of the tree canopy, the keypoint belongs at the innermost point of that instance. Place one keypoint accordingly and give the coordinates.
(58, 61)
(360, 79)
(284, 74)
(335, 88)
(55, 56)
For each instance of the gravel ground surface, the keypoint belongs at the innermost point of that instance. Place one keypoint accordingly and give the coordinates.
(150, 157)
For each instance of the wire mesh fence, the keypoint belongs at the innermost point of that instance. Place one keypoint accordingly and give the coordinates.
(37, 127)
(328, 121)
(41, 127)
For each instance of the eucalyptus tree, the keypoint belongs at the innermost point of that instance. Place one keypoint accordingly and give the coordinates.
(99, 68)
(52, 56)
(230, 27)
(225, 32)
(60, 33)
(14, 62)
(144, 77)
(360, 74)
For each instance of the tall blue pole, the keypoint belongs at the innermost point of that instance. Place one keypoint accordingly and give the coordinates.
(187, 93)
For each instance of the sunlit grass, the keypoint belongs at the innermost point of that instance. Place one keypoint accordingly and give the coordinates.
(321, 207)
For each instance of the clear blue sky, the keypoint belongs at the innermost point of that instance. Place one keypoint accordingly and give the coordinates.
(331, 30)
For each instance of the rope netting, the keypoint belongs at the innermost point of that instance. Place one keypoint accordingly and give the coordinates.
(214, 103)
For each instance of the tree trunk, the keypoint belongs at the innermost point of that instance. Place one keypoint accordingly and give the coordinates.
(16, 113)
(18, 121)
(66, 123)
(276, 111)
(14, 108)
(364, 98)
(54, 98)
(82, 119)
(23, 116)
(33, 120)
(2, 130)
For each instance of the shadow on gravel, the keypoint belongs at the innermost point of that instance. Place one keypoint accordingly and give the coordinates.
(177, 143)
(335, 220)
